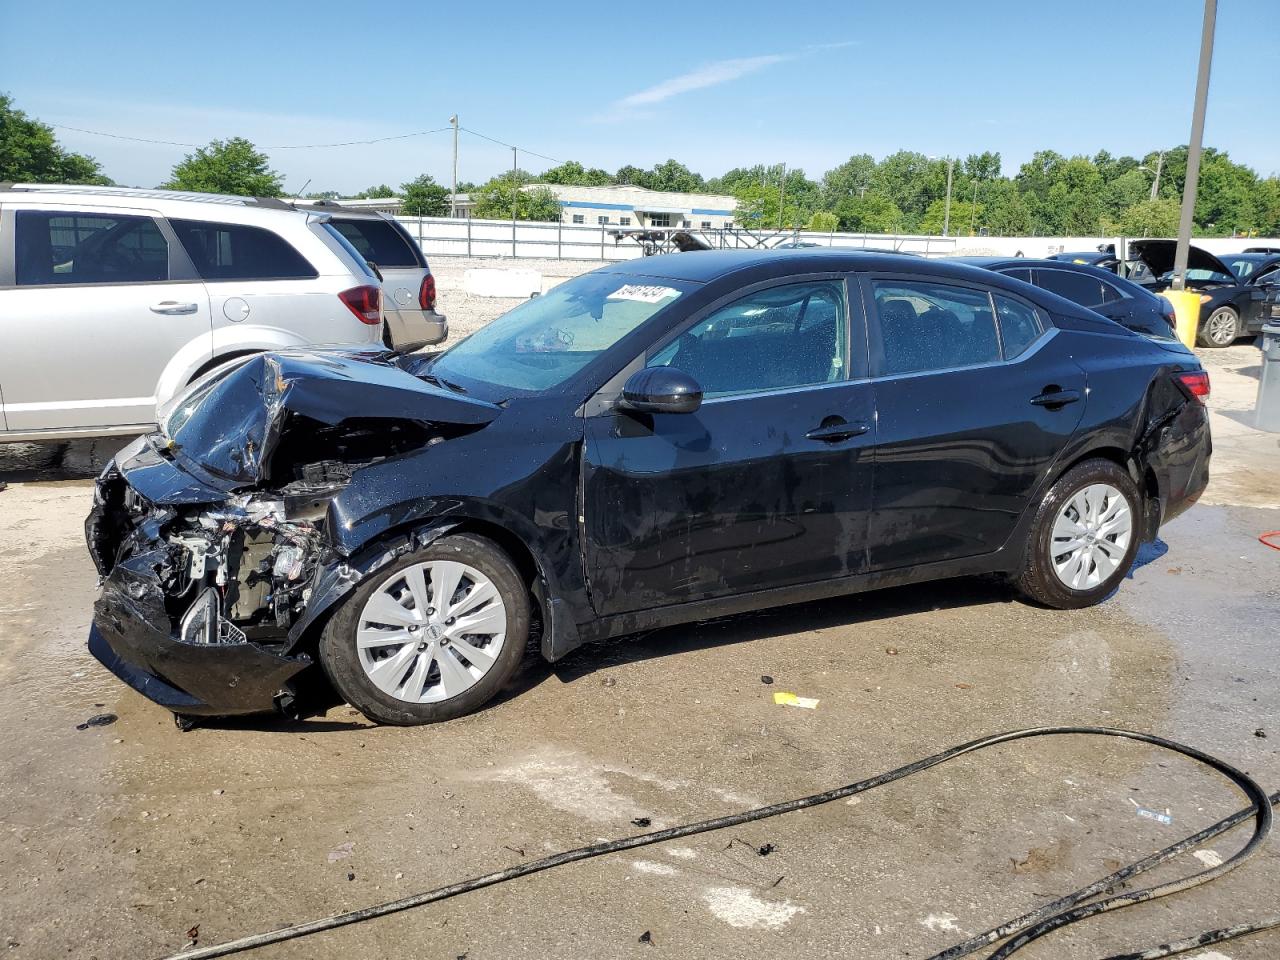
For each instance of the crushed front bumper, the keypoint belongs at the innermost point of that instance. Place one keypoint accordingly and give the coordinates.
(133, 637)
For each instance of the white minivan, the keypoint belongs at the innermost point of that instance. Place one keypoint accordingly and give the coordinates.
(114, 299)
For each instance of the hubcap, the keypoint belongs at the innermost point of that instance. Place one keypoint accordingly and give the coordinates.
(1091, 536)
(431, 631)
(1222, 327)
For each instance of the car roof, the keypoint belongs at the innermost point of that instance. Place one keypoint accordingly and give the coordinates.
(178, 204)
(704, 266)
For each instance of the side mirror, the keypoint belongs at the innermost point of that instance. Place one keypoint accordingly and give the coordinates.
(661, 390)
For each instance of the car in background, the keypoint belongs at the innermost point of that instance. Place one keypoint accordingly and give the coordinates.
(408, 287)
(1127, 303)
(659, 441)
(1233, 288)
(1105, 257)
(112, 300)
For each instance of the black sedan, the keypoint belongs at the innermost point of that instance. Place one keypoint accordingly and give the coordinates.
(656, 442)
(1233, 289)
(1097, 288)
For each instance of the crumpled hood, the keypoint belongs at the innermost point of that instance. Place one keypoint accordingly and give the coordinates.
(230, 426)
(1158, 255)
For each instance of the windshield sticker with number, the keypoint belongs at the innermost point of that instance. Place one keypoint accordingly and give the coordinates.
(642, 293)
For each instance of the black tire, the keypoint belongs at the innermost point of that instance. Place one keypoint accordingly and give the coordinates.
(1220, 329)
(341, 661)
(1038, 580)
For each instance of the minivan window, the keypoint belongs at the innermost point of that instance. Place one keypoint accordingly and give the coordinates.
(933, 326)
(378, 241)
(68, 248)
(234, 251)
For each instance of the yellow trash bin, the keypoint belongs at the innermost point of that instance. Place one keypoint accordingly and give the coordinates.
(1186, 307)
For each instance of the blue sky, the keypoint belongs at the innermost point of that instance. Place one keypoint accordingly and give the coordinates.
(713, 85)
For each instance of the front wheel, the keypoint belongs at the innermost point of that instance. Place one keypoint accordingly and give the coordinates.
(1221, 329)
(433, 637)
(1083, 538)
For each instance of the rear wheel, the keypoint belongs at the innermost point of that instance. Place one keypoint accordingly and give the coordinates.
(433, 637)
(1221, 329)
(1084, 536)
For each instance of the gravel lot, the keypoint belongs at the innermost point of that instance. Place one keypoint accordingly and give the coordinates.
(116, 841)
(467, 313)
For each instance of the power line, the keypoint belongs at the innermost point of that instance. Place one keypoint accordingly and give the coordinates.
(313, 146)
(278, 146)
(510, 146)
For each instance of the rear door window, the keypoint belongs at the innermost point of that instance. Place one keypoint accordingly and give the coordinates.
(1020, 325)
(58, 247)
(1077, 287)
(933, 326)
(378, 241)
(234, 251)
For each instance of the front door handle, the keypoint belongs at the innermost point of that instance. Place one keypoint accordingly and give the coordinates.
(1053, 398)
(172, 308)
(835, 432)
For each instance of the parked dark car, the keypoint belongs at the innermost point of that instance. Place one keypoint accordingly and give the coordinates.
(655, 442)
(1097, 288)
(1233, 289)
(1105, 257)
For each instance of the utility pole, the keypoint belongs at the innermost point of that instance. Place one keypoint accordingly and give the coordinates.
(946, 217)
(1155, 184)
(782, 194)
(515, 196)
(973, 207)
(453, 194)
(1193, 151)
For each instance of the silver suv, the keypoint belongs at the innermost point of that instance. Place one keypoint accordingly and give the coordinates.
(113, 299)
(408, 288)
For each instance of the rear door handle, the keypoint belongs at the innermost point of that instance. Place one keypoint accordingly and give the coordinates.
(1056, 398)
(172, 308)
(835, 432)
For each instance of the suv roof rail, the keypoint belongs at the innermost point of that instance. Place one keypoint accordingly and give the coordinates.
(156, 193)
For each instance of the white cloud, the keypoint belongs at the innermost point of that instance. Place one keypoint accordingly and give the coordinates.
(711, 75)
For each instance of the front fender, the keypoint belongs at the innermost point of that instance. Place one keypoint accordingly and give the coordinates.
(226, 340)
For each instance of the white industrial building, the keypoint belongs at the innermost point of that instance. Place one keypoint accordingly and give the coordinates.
(629, 206)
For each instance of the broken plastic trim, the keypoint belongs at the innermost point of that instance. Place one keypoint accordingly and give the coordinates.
(204, 622)
(1032, 926)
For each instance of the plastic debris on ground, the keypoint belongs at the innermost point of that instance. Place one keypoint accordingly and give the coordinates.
(784, 699)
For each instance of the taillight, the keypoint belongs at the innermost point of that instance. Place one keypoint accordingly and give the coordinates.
(427, 293)
(364, 302)
(1196, 383)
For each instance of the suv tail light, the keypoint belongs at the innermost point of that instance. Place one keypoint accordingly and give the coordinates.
(1195, 383)
(365, 302)
(427, 293)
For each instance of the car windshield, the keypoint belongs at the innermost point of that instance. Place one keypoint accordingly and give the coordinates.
(546, 340)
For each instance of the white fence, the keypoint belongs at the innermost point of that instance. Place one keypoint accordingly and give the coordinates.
(444, 236)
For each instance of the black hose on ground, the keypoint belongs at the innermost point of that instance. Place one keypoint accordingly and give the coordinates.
(1066, 910)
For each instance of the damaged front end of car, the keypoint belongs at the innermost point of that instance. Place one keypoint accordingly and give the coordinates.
(210, 536)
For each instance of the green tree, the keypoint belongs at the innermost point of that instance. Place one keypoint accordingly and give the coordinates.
(873, 213)
(1149, 218)
(675, 176)
(29, 152)
(823, 221)
(375, 193)
(226, 166)
(423, 197)
(849, 179)
(494, 200)
(323, 195)
(962, 213)
(630, 175)
(573, 173)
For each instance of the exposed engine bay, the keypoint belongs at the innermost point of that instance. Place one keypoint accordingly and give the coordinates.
(211, 534)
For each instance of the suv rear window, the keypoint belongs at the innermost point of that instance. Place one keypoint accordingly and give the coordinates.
(66, 248)
(378, 242)
(234, 251)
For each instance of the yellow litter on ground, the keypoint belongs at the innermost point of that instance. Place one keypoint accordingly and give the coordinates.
(784, 699)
